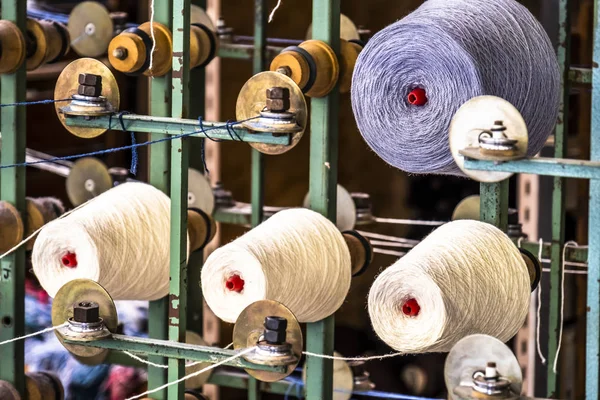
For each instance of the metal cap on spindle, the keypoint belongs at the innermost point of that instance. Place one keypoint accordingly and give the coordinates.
(361, 251)
(202, 228)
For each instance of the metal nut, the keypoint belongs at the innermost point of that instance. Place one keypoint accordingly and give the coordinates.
(278, 93)
(91, 91)
(90, 80)
(278, 104)
(275, 324)
(86, 311)
(274, 337)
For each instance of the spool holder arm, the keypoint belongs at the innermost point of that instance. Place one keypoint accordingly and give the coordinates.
(174, 126)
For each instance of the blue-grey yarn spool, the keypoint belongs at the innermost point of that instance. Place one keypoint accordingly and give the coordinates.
(454, 50)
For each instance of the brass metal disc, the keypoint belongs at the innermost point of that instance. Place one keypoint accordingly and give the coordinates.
(348, 55)
(35, 220)
(8, 391)
(249, 327)
(479, 114)
(136, 52)
(328, 67)
(12, 41)
(472, 354)
(343, 379)
(12, 227)
(67, 84)
(200, 194)
(36, 34)
(252, 99)
(74, 292)
(468, 208)
(348, 30)
(162, 61)
(88, 178)
(198, 380)
(91, 29)
(199, 16)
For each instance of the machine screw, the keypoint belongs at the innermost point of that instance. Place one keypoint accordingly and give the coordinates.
(278, 99)
(120, 53)
(275, 327)
(86, 312)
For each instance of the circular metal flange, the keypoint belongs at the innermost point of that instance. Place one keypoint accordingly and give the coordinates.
(198, 380)
(252, 100)
(349, 52)
(12, 227)
(534, 268)
(76, 291)
(37, 41)
(162, 59)
(478, 115)
(348, 30)
(91, 29)
(12, 43)
(200, 194)
(35, 220)
(199, 16)
(468, 208)
(88, 178)
(472, 354)
(249, 327)
(343, 379)
(66, 87)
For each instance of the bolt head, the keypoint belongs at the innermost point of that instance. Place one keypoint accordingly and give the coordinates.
(274, 337)
(86, 311)
(91, 91)
(276, 323)
(90, 79)
(278, 105)
(278, 93)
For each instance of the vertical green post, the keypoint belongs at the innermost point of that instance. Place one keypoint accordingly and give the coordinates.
(179, 192)
(592, 344)
(494, 204)
(12, 275)
(258, 159)
(160, 106)
(558, 198)
(323, 182)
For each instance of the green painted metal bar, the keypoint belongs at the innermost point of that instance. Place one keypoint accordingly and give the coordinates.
(494, 203)
(239, 380)
(246, 51)
(175, 350)
(580, 75)
(558, 197)
(561, 167)
(592, 348)
(578, 255)
(323, 182)
(178, 287)
(12, 275)
(178, 126)
(160, 106)
(257, 194)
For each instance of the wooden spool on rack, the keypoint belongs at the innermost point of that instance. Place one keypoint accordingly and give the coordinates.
(46, 42)
(12, 42)
(43, 386)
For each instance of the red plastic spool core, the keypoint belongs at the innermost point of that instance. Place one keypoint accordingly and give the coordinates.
(417, 97)
(235, 283)
(411, 308)
(69, 260)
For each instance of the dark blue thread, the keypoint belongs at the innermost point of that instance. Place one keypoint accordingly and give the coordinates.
(134, 153)
(32, 103)
(229, 125)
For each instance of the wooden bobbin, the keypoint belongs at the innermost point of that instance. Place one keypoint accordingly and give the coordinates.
(12, 230)
(128, 52)
(8, 391)
(203, 45)
(349, 52)
(43, 386)
(46, 42)
(12, 42)
(35, 220)
(361, 251)
(163, 53)
(202, 228)
(313, 66)
(534, 267)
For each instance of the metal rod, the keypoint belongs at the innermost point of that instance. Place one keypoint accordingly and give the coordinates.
(177, 126)
(53, 167)
(561, 167)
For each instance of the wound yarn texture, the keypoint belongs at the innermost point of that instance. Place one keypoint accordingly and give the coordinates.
(455, 50)
(467, 277)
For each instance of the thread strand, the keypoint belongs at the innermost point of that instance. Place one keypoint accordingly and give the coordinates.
(32, 103)
(50, 329)
(539, 310)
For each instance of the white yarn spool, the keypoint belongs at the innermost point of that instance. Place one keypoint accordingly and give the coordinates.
(346, 209)
(297, 257)
(466, 277)
(120, 239)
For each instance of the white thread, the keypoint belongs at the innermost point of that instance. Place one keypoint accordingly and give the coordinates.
(50, 329)
(562, 302)
(297, 257)
(213, 366)
(391, 244)
(409, 222)
(388, 252)
(539, 309)
(387, 237)
(121, 240)
(144, 361)
(466, 277)
(273, 12)
(380, 357)
(153, 37)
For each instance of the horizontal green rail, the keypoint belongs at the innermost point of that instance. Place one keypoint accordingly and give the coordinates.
(175, 126)
(239, 380)
(245, 51)
(170, 349)
(561, 167)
